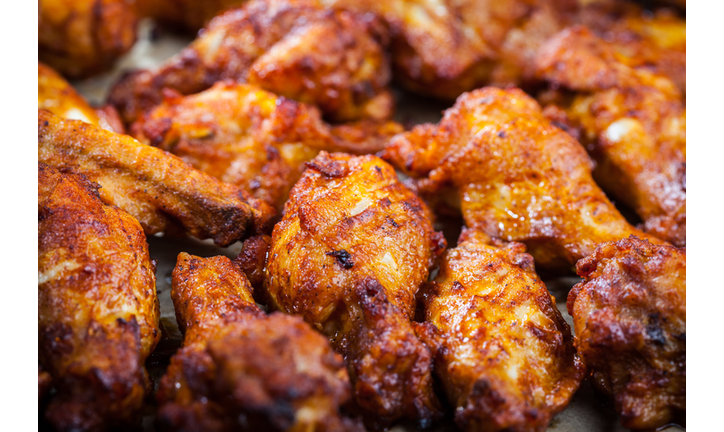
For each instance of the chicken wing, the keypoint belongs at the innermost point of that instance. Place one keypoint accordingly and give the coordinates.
(80, 38)
(294, 48)
(97, 307)
(157, 188)
(504, 353)
(350, 253)
(240, 369)
(634, 124)
(629, 314)
(246, 136)
(513, 175)
(189, 15)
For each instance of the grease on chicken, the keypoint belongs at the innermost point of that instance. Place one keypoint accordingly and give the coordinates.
(161, 191)
(513, 175)
(504, 353)
(240, 369)
(349, 255)
(629, 314)
(97, 307)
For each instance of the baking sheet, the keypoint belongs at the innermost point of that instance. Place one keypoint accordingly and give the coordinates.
(588, 410)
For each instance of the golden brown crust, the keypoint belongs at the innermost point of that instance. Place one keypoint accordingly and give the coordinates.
(332, 59)
(80, 38)
(240, 369)
(97, 307)
(349, 255)
(155, 187)
(249, 137)
(632, 121)
(503, 351)
(189, 15)
(517, 177)
(629, 314)
(252, 261)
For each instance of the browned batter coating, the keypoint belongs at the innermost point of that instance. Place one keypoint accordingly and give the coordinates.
(189, 15)
(349, 255)
(632, 121)
(252, 261)
(240, 369)
(513, 175)
(160, 190)
(503, 351)
(249, 137)
(80, 38)
(294, 48)
(97, 306)
(629, 314)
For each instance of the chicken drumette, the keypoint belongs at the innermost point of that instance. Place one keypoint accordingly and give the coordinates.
(240, 369)
(513, 175)
(160, 190)
(349, 256)
(97, 307)
(504, 353)
(249, 137)
(633, 122)
(629, 314)
(294, 48)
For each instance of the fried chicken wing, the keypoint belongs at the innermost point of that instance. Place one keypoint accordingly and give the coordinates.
(249, 137)
(513, 175)
(80, 38)
(97, 307)
(161, 191)
(190, 15)
(504, 353)
(629, 314)
(240, 369)
(350, 253)
(632, 121)
(294, 48)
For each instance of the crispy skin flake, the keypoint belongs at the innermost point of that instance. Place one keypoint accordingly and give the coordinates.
(97, 307)
(350, 253)
(629, 314)
(240, 369)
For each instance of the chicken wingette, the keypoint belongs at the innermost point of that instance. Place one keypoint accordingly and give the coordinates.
(97, 307)
(503, 351)
(160, 190)
(629, 314)
(294, 48)
(249, 137)
(80, 38)
(633, 122)
(349, 255)
(513, 175)
(240, 369)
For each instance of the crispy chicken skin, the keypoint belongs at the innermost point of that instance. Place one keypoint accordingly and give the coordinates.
(161, 191)
(294, 48)
(80, 38)
(516, 176)
(189, 15)
(503, 351)
(349, 255)
(240, 369)
(249, 137)
(97, 307)
(629, 314)
(633, 123)
(56, 95)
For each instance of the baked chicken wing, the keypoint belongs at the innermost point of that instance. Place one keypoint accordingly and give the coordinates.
(240, 369)
(629, 314)
(349, 255)
(189, 15)
(249, 137)
(161, 191)
(294, 48)
(504, 353)
(80, 38)
(97, 307)
(633, 123)
(513, 175)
